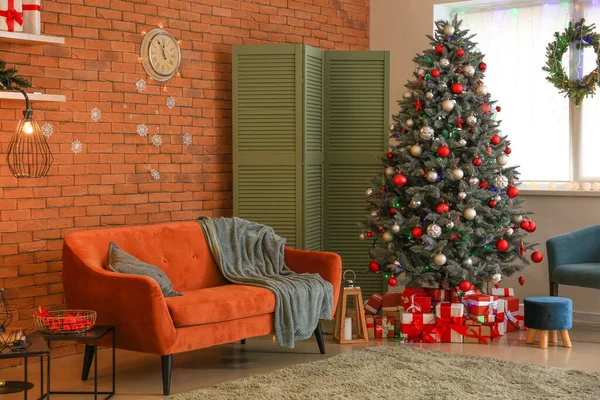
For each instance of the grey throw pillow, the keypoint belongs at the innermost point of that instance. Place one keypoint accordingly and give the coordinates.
(125, 263)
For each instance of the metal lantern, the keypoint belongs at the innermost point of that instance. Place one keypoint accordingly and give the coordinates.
(28, 155)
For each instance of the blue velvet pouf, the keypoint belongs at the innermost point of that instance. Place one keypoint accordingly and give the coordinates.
(546, 313)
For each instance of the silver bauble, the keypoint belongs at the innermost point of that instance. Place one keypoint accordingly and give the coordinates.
(390, 171)
(432, 176)
(450, 225)
(458, 173)
(502, 159)
(496, 278)
(439, 259)
(395, 228)
(387, 237)
(482, 90)
(510, 231)
(409, 122)
(444, 62)
(416, 150)
(415, 203)
(420, 72)
(448, 105)
(429, 95)
(501, 182)
(470, 214)
(369, 192)
(461, 195)
(448, 30)
(434, 230)
(362, 236)
(497, 198)
(469, 70)
(467, 262)
(462, 142)
(473, 181)
(392, 127)
(517, 219)
(407, 95)
(426, 133)
(471, 120)
(374, 213)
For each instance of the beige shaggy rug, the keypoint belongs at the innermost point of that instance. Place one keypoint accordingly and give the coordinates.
(408, 373)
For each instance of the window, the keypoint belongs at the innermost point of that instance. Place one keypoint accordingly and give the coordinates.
(554, 143)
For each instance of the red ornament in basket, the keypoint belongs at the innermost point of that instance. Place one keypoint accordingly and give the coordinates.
(64, 321)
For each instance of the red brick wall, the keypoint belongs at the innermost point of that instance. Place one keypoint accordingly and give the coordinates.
(107, 183)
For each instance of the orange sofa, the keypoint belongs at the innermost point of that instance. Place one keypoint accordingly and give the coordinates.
(211, 311)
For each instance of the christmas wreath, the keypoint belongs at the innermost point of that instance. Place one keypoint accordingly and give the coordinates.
(581, 36)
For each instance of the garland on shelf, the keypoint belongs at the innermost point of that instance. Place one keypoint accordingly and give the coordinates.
(581, 36)
(9, 77)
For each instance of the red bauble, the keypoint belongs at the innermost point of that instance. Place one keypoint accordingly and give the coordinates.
(522, 249)
(373, 266)
(507, 150)
(453, 236)
(512, 192)
(525, 225)
(498, 108)
(439, 49)
(477, 161)
(485, 108)
(493, 203)
(435, 73)
(417, 232)
(489, 150)
(383, 188)
(496, 285)
(532, 227)
(392, 281)
(393, 211)
(390, 155)
(459, 69)
(442, 208)
(369, 234)
(483, 185)
(465, 286)
(399, 180)
(502, 245)
(521, 280)
(482, 66)
(537, 257)
(495, 140)
(460, 52)
(443, 151)
(404, 130)
(457, 88)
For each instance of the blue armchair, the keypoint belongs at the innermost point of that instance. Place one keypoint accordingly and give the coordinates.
(574, 259)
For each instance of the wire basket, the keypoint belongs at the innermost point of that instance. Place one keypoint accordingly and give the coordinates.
(65, 321)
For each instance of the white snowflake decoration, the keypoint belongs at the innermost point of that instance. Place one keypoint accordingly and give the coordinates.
(170, 102)
(140, 85)
(156, 140)
(142, 130)
(96, 114)
(155, 174)
(187, 139)
(76, 147)
(47, 130)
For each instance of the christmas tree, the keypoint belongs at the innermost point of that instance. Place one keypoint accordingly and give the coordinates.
(445, 209)
(9, 76)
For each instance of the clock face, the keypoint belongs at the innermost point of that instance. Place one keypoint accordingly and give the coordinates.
(161, 55)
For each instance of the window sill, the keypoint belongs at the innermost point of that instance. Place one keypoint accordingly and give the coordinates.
(564, 193)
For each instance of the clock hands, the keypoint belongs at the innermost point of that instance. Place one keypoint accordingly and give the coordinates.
(162, 48)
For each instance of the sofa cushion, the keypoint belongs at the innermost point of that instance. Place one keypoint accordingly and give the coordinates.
(584, 275)
(218, 304)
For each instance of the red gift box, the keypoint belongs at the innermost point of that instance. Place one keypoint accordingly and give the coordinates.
(480, 304)
(384, 327)
(392, 301)
(454, 293)
(416, 301)
(418, 327)
(439, 295)
(373, 304)
(511, 309)
(449, 319)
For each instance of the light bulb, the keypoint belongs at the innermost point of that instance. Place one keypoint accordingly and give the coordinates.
(27, 127)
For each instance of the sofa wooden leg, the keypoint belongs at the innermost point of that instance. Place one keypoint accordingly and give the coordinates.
(167, 363)
(243, 341)
(553, 289)
(88, 357)
(319, 336)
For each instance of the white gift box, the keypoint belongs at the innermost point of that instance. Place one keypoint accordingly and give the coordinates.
(32, 16)
(11, 15)
(503, 292)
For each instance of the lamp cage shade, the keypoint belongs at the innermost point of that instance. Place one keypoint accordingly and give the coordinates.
(29, 155)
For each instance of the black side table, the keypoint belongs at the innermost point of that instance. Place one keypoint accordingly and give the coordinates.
(38, 348)
(93, 335)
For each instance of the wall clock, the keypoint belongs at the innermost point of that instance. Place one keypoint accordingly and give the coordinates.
(161, 55)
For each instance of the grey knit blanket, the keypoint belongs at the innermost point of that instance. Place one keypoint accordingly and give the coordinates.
(249, 253)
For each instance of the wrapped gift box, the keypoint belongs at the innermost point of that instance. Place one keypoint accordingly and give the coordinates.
(480, 304)
(501, 318)
(391, 303)
(373, 304)
(416, 301)
(449, 322)
(418, 326)
(385, 327)
(455, 297)
(370, 318)
(521, 316)
(11, 15)
(511, 308)
(503, 292)
(477, 333)
(32, 16)
(439, 295)
(395, 314)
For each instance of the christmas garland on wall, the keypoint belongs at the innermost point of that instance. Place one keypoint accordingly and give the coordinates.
(581, 36)
(9, 77)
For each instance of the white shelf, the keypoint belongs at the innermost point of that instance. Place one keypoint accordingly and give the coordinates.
(29, 39)
(9, 95)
